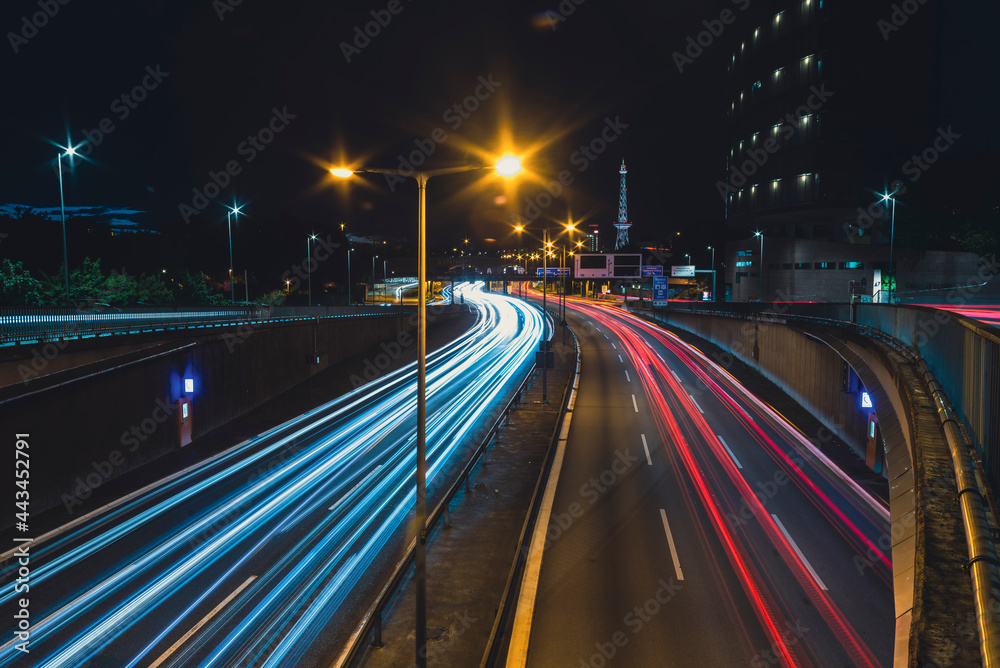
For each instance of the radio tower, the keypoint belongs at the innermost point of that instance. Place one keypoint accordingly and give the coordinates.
(622, 225)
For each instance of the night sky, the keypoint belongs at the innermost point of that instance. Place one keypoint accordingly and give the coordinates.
(216, 73)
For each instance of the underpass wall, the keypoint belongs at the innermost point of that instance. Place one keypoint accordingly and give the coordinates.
(86, 430)
(806, 369)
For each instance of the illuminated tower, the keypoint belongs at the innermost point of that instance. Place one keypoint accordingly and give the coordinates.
(622, 225)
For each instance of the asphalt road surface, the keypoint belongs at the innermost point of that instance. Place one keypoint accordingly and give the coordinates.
(692, 526)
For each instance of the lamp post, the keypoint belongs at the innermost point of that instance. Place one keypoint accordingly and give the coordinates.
(712, 248)
(349, 250)
(760, 285)
(507, 166)
(309, 268)
(892, 233)
(373, 279)
(70, 151)
(385, 279)
(232, 284)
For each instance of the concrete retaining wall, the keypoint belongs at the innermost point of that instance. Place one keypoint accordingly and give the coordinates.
(87, 429)
(806, 369)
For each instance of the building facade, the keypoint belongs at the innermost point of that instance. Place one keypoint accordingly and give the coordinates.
(828, 101)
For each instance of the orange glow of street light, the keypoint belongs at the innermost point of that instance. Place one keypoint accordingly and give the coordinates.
(341, 172)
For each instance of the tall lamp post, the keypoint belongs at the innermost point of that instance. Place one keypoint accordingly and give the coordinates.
(373, 279)
(349, 250)
(309, 268)
(712, 248)
(892, 233)
(760, 285)
(232, 284)
(70, 151)
(507, 166)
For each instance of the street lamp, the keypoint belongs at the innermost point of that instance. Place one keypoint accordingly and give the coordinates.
(309, 268)
(712, 248)
(760, 284)
(232, 285)
(892, 233)
(507, 166)
(70, 151)
(349, 250)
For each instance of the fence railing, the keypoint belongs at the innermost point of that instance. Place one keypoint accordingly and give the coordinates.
(371, 623)
(34, 325)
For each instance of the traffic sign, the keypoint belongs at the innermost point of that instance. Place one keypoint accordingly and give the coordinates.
(652, 270)
(553, 271)
(682, 270)
(659, 291)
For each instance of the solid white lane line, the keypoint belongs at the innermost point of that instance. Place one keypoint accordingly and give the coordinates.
(673, 548)
(799, 552)
(735, 461)
(696, 404)
(207, 618)
(627, 377)
(676, 376)
(646, 448)
(620, 358)
(634, 405)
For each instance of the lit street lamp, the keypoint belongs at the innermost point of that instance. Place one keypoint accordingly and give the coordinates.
(892, 233)
(349, 250)
(232, 284)
(760, 284)
(309, 268)
(70, 151)
(712, 248)
(507, 166)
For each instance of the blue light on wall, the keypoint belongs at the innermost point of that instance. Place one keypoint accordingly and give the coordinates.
(866, 400)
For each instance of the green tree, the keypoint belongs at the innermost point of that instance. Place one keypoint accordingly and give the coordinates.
(193, 289)
(17, 286)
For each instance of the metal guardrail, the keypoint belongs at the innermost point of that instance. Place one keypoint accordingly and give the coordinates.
(39, 325)
(508, 602)
(372, 621)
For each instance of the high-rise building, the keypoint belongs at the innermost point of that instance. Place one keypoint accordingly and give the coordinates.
(828, 100)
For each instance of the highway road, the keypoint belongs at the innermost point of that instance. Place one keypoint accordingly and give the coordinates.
(249, 558)
(693, 526)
